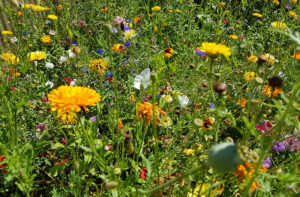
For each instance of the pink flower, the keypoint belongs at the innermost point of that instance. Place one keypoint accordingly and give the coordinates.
(225, 21)
(264, 128)
(63, 140)
(13, 89)
(44, 99)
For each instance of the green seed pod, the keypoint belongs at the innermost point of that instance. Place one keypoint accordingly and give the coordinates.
(111, 185)
(117, 171)
(107, 28)
(223, 157)
(130, 147)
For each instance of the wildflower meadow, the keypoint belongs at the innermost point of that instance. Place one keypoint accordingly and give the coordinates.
(152, 98)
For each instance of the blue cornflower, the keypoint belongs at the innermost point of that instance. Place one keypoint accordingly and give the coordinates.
(158, 96)
(124, 62)
(25, 33)
(48, 22)
(110, 74)
(213, 106)
(84, 69)
(74, 43)
(126, 29)
(127, 44)
(100, 51)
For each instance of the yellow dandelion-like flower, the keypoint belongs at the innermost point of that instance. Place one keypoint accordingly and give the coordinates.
(234, 37)
(257, 15)
(249, 76)
(52, 17)
(98, 65)
(168, 52)
(46, 39)
(118, 48)
(136, 19)
(253, 58)
(188, 151)
(213, 50)
(293, 14)
(7, 33)
(276, 2)
(72, 98)
(37, 55)
(156, 8)
(60, 8)
(165, 122)
(67, 117)
(279, 25)
(294, 1)
(10, 58)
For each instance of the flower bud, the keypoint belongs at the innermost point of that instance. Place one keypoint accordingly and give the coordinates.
(117, 171)
(111, 185)
(220, 87)
(223, 157)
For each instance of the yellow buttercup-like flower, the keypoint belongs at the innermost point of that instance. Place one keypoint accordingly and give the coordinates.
(213, 50)
(118, 48)
(7, 33)
(98, 65)
(156, 8)
(38, 8)
(270, 58)
(257, 15)
(37, 55)
(279, 25)
(253, 58)
(293, 14)
(249, 76)
(72, 98)
(234, 37)
(188, 151)
(46, 39)
(52, 17)
(10, 58)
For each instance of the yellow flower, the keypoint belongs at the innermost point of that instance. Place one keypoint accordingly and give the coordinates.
(118, 48)
(213, 50)
(253, 58)
(296, 55)
(279, 25)
(46, 39)
(7, 33)
(222, 3)
(168, 99)
(104, 9)
(165, 122)
(72, 98)
(234, 37)
(136, 19)
(37, 55)
(67, 117)
(144, 111)
(60, 8)
(168, 52)
(204, 189)
(188, 151)
(52, 17)
(129, 33)
(249, 76)
(156, 8)
(10, 58)
(294, 1)
(17, 74)
(293, 14)
(38, 8)
(98, 65)
(257, 14)
(270, 58)
(155, 29)
(276, 2)
(177, 10)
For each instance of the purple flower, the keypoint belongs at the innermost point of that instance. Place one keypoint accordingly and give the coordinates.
(110, 74)
(85, 69)
(41, 126)
(93, 119)
(267, 163)
(126, 28)
(114, 30)
(63, 140)
(288, 6)
(213, 106)
(279, 147)
(100, 51)
(74, 43)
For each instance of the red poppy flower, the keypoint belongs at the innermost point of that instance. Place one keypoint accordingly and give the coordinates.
(2, 157)
(63, 161)
(143, 173)
(225, 21)
(242, 38)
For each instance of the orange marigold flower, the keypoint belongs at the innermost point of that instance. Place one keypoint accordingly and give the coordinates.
(242, 102)
(72, 98)
(144, 111)
(297, 55)
(271, 91)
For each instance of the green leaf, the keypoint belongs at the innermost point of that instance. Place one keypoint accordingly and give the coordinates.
(58, 145)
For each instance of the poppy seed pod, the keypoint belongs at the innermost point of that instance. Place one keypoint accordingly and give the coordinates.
(220, 87)
(223, 157)
(111, 184)
(262, 59)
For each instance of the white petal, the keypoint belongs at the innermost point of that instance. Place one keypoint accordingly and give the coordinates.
(183, 100)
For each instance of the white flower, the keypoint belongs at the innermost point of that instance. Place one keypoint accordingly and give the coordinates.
(73, 83)
(14, 39)
(71, 54)
(183, 100)
(49, 65)
(49, 84)
(143, 78)
(62, 59)
(52, 32)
